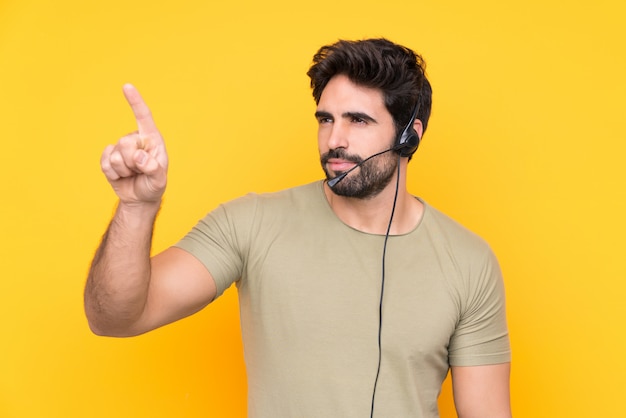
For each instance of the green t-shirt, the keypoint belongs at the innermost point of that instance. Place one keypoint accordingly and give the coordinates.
(309, 290)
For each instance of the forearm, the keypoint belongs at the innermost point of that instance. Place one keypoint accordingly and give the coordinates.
(119, 278)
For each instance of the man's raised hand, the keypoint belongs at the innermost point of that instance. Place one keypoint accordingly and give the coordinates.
(136, 167)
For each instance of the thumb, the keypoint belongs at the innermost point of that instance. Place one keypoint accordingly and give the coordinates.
(141, 158)
(148, 165)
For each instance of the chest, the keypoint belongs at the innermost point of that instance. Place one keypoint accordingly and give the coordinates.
(312, 290)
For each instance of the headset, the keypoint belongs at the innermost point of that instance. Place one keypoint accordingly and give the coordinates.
(408, 141)
(406, 145)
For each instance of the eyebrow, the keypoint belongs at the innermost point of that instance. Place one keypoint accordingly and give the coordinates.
(359, 115)
(347, 115)
(321, 114)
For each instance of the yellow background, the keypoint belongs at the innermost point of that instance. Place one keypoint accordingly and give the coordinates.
(526, 146)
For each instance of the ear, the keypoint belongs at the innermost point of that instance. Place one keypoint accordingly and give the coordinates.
(419, 128)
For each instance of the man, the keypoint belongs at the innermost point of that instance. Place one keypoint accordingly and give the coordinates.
(356, 297)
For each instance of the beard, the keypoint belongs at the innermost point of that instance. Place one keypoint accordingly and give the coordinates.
(368, 181)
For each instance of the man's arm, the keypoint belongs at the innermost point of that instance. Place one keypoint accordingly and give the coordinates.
(482, 391)
(127, 292)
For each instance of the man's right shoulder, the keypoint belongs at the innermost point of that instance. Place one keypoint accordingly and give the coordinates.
(293, 197)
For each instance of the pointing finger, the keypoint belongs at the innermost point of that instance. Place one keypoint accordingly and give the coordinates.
(143, 116)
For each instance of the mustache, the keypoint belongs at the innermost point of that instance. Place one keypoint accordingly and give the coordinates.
(341, 154)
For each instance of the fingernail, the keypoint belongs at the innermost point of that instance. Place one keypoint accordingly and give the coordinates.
(141, 157)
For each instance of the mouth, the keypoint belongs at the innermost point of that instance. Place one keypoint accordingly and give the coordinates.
(339, 165)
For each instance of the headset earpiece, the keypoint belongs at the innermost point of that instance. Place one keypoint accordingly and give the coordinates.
(409, 140)
(408, 143)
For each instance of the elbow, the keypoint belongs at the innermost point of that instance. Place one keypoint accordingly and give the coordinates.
(98, 330)
(101, 330)
(106, 328)
(109, 331)
(104, 324)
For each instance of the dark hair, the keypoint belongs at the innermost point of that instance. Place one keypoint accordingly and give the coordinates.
(381, 64)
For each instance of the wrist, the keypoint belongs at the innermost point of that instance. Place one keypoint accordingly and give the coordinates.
(138, 212)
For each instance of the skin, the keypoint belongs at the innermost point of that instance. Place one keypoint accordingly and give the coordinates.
(354, 118)
(129, 293)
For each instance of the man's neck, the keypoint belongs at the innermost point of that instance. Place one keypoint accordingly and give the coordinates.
(372, 215)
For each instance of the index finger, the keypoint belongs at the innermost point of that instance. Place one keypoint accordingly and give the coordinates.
(143, 116)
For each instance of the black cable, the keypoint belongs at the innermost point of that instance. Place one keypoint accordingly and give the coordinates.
(382, 287)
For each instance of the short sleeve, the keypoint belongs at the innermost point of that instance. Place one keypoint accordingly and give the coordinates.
(218, 241)
(481, 336)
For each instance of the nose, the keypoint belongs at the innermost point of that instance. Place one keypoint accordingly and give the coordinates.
(338, 136)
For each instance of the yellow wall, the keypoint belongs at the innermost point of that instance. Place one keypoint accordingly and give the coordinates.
(526, 147)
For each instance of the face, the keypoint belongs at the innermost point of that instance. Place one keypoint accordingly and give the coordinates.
(353, 125)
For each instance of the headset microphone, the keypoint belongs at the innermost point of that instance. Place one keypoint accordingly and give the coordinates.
(335, 180)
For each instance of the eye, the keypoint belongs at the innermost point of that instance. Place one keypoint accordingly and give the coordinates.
(360, 118)
(324, 120)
